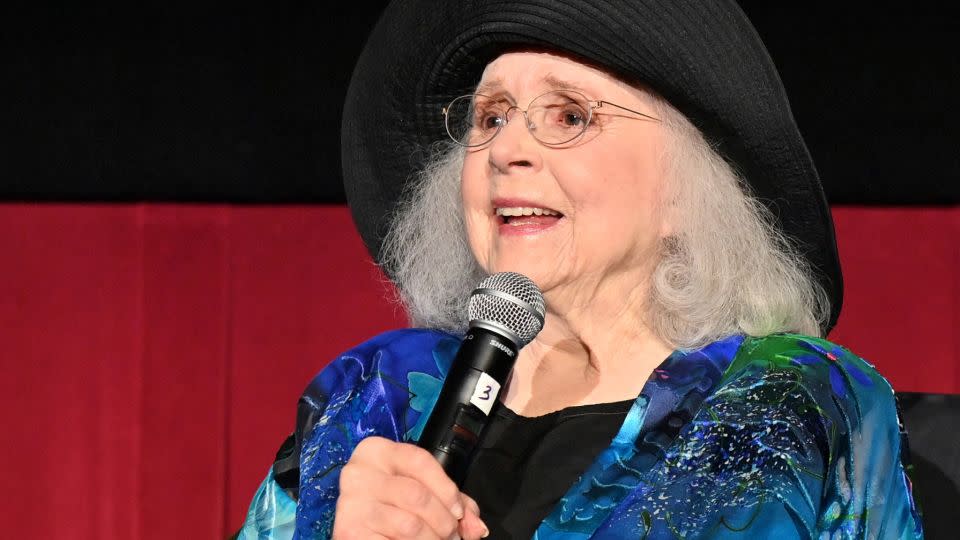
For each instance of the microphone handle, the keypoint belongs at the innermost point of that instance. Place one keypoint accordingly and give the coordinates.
(477, 374)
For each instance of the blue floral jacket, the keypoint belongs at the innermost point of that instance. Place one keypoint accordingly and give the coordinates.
(781, 437)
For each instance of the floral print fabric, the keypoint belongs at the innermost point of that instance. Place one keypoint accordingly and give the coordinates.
(784, 437)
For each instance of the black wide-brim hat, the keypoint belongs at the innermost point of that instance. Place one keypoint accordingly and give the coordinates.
(703, 56)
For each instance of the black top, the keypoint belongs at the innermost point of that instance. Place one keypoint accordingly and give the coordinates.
(523, 466)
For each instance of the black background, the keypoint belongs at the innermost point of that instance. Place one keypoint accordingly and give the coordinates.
(203, 102)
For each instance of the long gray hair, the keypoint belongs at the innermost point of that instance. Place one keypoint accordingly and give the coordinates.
(725, 269)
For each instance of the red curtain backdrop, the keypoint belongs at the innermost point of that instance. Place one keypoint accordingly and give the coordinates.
(153, 354)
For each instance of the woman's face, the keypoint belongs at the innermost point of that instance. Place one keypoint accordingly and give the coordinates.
(604, 188)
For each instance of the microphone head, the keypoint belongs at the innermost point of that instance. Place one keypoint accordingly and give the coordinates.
(510, 303)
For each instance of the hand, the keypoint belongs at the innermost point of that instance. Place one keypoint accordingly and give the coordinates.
(399, 491)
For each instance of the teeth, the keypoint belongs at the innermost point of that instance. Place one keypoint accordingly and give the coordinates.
(526, 211)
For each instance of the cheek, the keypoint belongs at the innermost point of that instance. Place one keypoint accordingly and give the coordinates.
(473, 185)
(620, 192)
(475, 198)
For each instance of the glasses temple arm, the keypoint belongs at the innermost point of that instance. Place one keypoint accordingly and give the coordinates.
(601, 103)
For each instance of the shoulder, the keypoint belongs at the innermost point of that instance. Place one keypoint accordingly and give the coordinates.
(827, 371)
(811, 386)
(819, 390)
(822, 424)
(390, 355)
(401, 340)
(384, 369)
(365, 391)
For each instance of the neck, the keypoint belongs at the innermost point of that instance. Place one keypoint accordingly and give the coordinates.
(594, 348)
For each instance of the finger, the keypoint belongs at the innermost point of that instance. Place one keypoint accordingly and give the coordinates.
(360, 535)
(371, 449)
(471, 526)
(351, 521)
(356, 534)
(411, 495)
(360, 519)
(361, 482)
(415, 462)
(469, 503)
(398, 523)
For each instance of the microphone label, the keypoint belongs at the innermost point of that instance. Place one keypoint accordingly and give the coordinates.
(502, 347)
(485, 393)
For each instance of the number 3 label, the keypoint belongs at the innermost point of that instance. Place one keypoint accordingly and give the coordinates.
(485, 393)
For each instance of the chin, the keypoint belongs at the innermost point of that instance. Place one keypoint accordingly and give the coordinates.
(544, 277)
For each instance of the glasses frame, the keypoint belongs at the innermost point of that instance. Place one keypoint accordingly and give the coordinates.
(505, 117)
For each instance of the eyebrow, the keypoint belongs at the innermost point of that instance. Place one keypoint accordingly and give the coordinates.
(559, 84)
(495, 86)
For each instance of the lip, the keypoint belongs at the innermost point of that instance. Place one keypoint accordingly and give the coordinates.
(534, 226)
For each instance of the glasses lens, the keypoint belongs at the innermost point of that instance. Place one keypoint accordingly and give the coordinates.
(558, 117)
(474, 120)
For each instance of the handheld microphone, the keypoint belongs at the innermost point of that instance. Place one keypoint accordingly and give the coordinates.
(506, 312)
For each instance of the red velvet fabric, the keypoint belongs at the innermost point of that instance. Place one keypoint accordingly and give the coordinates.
(901, 309)
(153, 354)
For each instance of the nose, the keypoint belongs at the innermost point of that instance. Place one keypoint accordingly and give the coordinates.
(514, 150)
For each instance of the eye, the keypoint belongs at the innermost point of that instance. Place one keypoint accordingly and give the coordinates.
(572, 116)
(566, 117)
(490, 121)
(487, 115)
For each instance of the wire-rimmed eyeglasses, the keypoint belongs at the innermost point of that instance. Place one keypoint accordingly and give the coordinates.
(554, 118)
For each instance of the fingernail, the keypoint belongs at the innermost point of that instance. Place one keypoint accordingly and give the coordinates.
(486, 533)
(454, 536)
(457, 511)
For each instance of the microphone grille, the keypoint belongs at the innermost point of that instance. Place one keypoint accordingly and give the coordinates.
(511, 301)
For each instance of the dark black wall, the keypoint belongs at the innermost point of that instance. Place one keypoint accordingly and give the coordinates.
(237, 103)
(179, 102)
(875, 88)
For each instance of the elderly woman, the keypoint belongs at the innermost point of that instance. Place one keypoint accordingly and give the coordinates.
(639, 162)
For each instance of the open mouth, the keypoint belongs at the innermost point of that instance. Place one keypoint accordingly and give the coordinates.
(525, 215)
